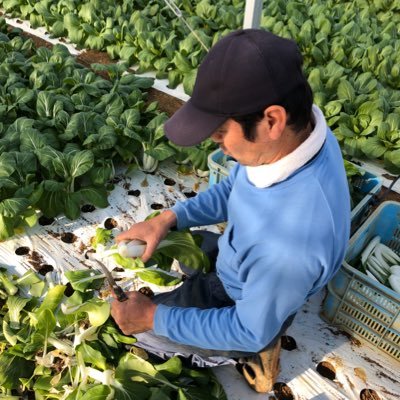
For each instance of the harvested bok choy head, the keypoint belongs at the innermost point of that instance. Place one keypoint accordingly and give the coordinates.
(394, 281)
(133, 248)
(381, 263)
(182, 246)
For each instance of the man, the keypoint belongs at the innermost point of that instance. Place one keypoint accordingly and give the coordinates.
(286, 204)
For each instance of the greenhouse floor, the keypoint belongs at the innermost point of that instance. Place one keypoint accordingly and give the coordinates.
(348, 366)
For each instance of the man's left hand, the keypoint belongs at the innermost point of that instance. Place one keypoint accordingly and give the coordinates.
(134, 315)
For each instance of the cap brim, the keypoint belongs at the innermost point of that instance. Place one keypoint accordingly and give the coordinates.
(190, 126)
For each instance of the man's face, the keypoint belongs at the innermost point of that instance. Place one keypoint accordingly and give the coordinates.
(230, 138)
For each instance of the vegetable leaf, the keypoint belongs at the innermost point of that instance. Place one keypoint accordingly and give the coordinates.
(12, 368)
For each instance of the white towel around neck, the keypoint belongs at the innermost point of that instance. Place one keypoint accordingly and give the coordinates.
(265, 175)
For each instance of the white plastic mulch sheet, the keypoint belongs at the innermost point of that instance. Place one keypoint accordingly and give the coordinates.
(63, 244)
(356, 366)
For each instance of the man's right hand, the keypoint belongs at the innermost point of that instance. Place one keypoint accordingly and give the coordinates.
(151, 231)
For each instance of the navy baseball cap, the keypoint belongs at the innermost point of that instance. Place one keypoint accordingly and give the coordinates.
(244, 72)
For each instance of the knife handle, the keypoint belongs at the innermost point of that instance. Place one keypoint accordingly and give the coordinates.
(120, 294)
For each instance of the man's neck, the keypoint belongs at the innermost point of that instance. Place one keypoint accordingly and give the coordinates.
(291, 140)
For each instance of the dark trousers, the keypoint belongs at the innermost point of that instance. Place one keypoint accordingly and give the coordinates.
(202, 291)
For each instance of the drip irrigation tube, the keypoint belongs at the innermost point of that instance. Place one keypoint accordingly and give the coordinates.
(176, 10)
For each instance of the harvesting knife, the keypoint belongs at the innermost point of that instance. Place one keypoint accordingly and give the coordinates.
(119, 293)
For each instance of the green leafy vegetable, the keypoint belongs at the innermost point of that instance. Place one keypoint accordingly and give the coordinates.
(82, 354)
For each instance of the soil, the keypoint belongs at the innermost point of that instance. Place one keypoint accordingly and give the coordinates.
(166, 103)
(387, 195)
(135, 193)
(68, 237)
(156, 206)
(22, 251)
(110, 223)
(89, 57)
(369, 394)
(39, 42)
(288, 343)
(43, 220)
(327, 370)
(69, 291)
(45, 268)
(38, 263)
(283, 391)
(169, 182)
(88, 208)
(35, 259)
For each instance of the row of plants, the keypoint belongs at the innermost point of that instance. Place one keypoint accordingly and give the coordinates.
(146, 33)
(351, 56)
(58, 341)
(351, 51)
(63, 128)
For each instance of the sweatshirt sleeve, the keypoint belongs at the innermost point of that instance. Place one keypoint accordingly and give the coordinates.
(208, 207)
(274, 288)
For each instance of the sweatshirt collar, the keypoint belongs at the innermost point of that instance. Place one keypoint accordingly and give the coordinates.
(265, 175)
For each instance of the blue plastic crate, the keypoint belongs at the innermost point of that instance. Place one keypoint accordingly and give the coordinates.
(369, 185)
(216, 164)
(359, 305)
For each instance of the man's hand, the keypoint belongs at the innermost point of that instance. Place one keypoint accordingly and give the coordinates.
(151, 232)
(134, 315)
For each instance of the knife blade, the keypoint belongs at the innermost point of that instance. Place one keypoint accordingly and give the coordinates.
(118, 291)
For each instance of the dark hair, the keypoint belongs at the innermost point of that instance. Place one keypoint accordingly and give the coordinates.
(298, 105)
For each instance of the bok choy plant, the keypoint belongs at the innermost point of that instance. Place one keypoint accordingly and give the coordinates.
(196, 157)
(182, 246)
(58, 345)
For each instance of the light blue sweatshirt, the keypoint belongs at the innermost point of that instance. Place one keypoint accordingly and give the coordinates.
(282, 244)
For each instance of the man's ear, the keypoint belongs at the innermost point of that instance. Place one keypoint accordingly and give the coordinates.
(276, 118)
